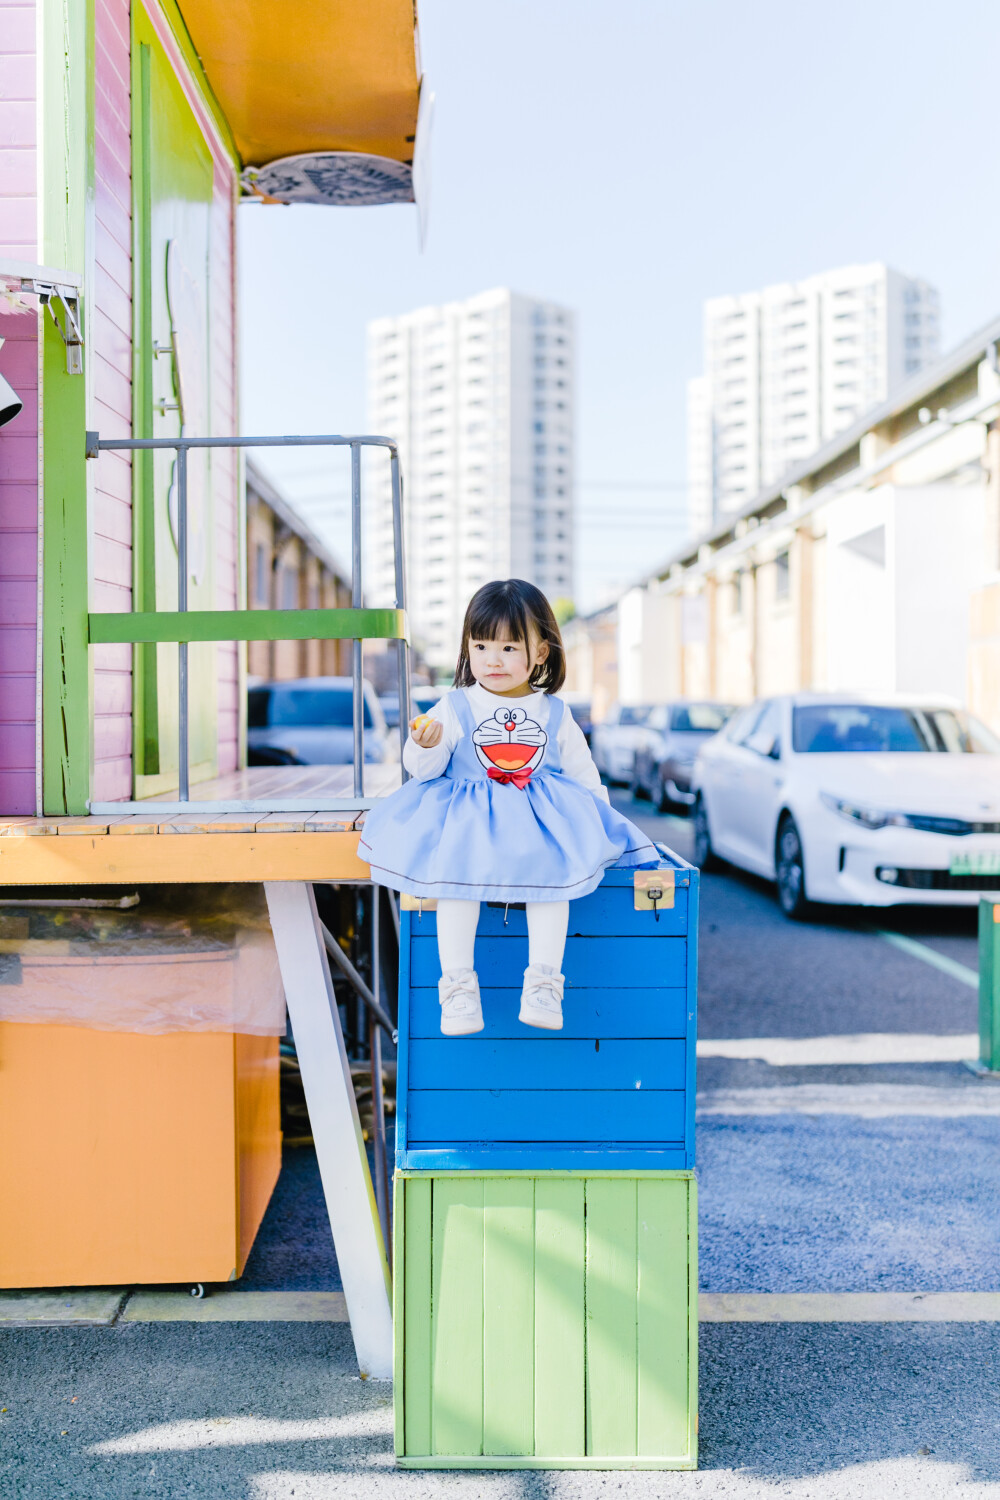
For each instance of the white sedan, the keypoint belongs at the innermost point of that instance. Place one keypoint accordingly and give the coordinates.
(614, 740)
(844, 799)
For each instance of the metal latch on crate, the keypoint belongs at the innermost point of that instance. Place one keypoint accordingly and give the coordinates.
(416, 903)
(653, 889)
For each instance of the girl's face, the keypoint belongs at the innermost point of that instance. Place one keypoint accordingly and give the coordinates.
(504, 666)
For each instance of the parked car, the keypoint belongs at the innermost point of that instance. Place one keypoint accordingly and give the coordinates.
(841, 798)
(579, 706)
(665, 753)
(310, 722)
(421, 699)
(613, 740)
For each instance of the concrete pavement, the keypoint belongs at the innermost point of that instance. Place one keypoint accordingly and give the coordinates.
(815, 1180)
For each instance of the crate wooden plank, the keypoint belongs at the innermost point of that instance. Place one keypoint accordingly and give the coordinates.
(508, 1315)
(664, 1395)
(588, 1013)
(560, 1324)
(553, 1062)
(454, 1116)
(457, 1315)
(135, 823)
(70, 826)
(416, 1321)
(611, 1295)
(604, 913)
(195, 822)
(327, 822)
(282, 823)
(23, 828)
(635, 963)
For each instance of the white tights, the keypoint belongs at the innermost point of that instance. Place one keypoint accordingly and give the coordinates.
(457, 922)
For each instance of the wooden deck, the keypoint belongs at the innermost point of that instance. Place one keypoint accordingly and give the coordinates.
(133, 847)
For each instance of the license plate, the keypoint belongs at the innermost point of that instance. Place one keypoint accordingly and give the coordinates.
(977, 862)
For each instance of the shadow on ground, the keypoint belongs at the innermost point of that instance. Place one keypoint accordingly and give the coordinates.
(273, 1411)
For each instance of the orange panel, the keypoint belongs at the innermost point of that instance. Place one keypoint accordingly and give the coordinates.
(152, 858)
(120, 1154)
(258, 1132)
(311, 75)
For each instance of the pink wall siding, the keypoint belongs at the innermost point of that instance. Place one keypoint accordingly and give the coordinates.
(224, 420)
(110, 369)
(109, 374)
(19, 439)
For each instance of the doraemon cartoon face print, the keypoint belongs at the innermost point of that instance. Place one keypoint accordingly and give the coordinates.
(510, 741)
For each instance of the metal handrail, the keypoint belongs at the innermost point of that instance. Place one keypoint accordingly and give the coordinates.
(182, 446)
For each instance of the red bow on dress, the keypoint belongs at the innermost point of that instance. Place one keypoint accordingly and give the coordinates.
(519, 778)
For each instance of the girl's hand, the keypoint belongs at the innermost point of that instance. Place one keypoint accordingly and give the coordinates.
(426, 732)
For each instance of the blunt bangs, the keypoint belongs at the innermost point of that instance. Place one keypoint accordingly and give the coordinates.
(510, 609)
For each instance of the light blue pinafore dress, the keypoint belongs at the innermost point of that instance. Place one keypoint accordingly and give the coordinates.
(503, 823)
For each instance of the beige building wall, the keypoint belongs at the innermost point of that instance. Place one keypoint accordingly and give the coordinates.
(878, 570)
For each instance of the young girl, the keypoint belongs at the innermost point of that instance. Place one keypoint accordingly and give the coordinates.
(505, 804)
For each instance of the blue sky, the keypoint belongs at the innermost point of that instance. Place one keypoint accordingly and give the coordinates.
(631, 160)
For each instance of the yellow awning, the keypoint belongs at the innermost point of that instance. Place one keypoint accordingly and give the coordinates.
(295, 76)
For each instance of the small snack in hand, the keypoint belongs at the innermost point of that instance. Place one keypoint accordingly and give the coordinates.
(420, 722)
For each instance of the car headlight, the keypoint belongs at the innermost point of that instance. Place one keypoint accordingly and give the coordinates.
(868, 817)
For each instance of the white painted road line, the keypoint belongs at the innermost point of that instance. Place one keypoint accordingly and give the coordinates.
(931, 956)
(849, 1307)
(865, 1101)
(864, 1047)
(233, 1306)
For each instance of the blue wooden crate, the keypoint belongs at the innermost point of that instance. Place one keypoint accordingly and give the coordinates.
(614, 1087)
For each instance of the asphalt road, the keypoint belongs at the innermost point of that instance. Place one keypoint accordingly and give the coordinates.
(815, 1175)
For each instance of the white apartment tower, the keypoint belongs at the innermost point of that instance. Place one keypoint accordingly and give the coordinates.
(788, 367)
(479, 396)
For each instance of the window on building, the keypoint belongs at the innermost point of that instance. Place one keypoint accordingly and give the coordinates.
(782, 576)
(289, 588)
(260, 573)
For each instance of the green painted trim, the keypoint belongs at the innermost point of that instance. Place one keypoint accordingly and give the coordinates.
(65, 163)
(491, 1461)
(398, 1312)
(667, 1174)
(989, 987)
(249, 625)
(171, 14)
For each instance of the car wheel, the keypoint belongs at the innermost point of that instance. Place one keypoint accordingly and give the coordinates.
(663, 802)
(638, 787)
(790, 870)
(704, 857)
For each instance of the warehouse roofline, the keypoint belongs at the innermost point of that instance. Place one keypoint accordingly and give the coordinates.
(914, 392)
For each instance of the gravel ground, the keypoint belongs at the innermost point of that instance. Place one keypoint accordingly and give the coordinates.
(273, 1411)
(789, 1202)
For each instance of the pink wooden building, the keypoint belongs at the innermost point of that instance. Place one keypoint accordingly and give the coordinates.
(120, 182)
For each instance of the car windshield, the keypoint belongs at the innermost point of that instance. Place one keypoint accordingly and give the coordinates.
(633, 713)
(823, 729)
(699, 718)
(303, 708)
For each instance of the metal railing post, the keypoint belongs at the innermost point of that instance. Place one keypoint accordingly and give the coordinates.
(402, 648)
(378, 1092)
(183, 749)
(356, 598)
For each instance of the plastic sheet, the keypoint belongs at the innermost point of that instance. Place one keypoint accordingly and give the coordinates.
(181, 958)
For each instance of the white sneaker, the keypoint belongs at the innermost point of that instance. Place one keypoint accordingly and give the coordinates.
(541, 998)
(461, 1007)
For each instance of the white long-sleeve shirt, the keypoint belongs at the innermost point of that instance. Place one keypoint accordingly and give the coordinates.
(574, 752)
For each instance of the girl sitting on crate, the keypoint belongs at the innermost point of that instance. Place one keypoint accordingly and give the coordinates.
(505, 804)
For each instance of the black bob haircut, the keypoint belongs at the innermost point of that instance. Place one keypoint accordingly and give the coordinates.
(510, 609)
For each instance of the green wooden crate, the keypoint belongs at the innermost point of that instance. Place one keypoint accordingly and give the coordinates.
(546, 1320)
